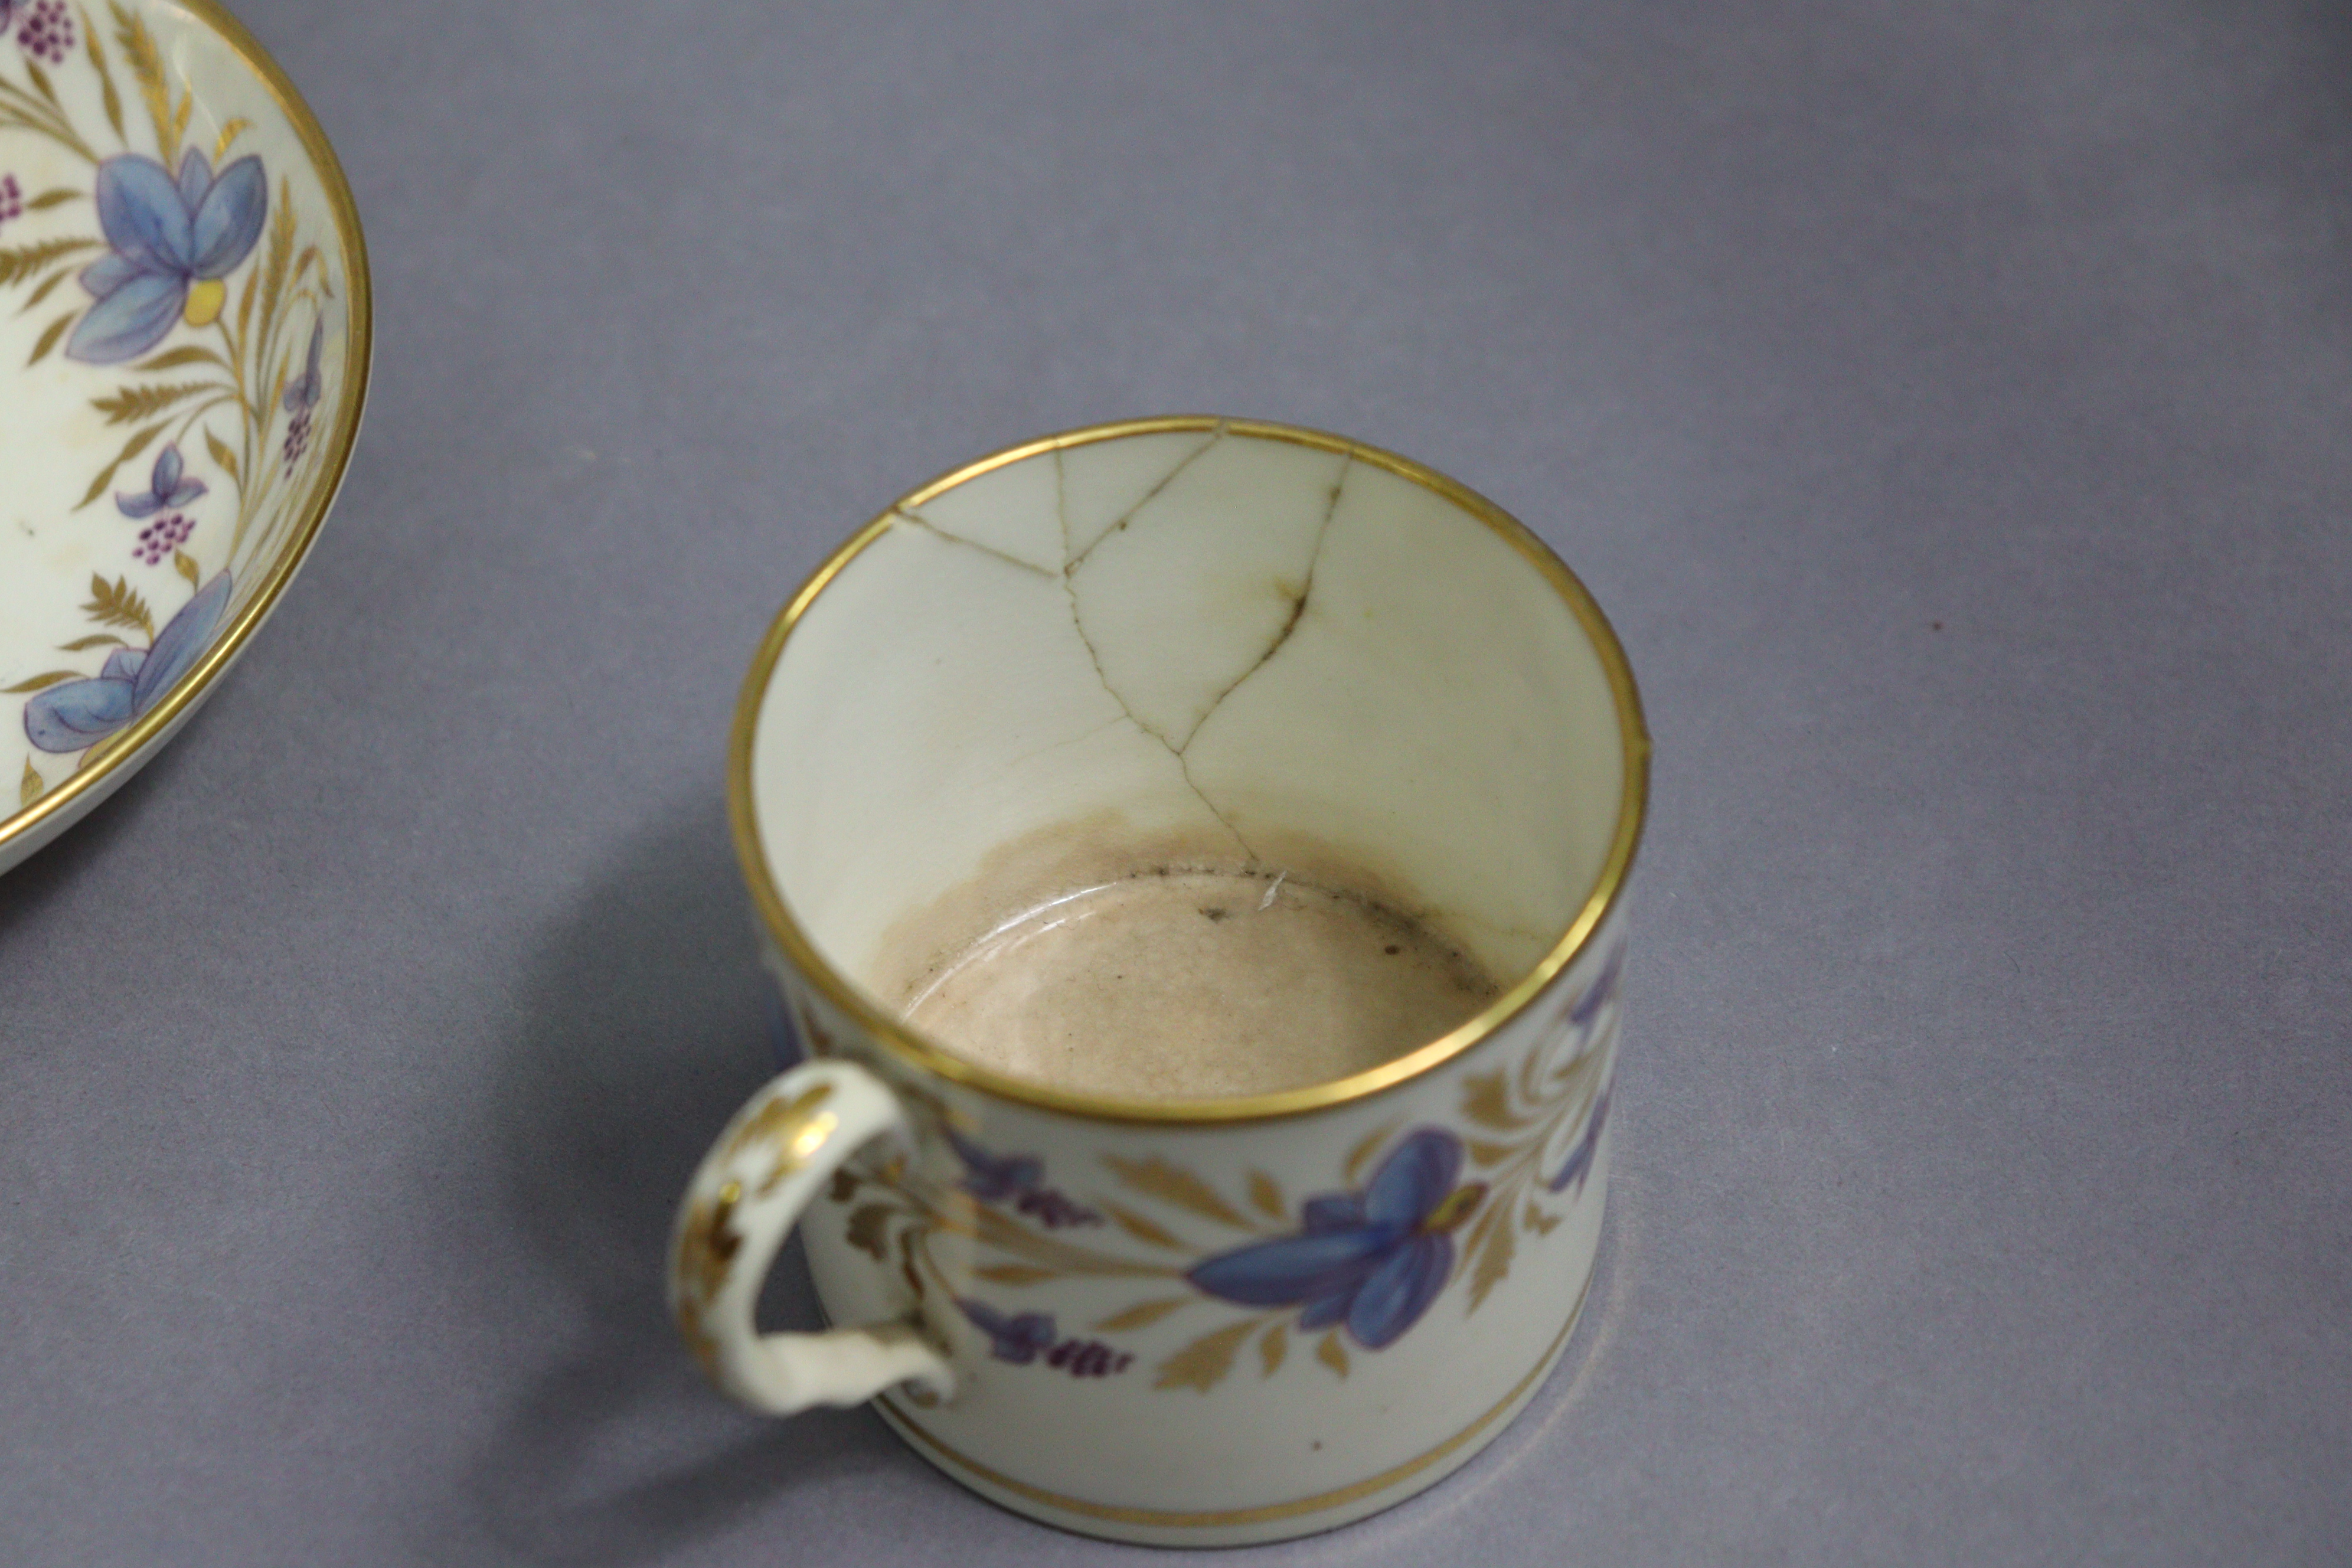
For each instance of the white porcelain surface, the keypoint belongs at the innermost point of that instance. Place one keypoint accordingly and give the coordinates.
(183, 352)
(1222, 643)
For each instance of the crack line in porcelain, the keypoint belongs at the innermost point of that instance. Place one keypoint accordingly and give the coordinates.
(1105, 517)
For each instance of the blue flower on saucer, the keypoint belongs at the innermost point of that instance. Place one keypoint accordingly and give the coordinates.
(171, 243)
(76, 714)
(1372, 1259)
(302, 395)
(168, 487)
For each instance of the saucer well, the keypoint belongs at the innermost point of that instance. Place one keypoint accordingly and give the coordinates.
(184, 334)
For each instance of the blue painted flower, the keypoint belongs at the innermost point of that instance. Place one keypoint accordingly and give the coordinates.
(173, 242)
(1373, 1259)
(168, 487)
(1579, 1164)
(80, 713)
(993, 1178)
(1017, 1179)
(302, 392)
(1604, 989)
(1016, 1339)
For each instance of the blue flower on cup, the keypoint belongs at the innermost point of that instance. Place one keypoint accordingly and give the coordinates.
(76, 714)
(1018, 1179)
(1017, 1339)
(1601, 992)
(171, 244)
(1372, 1259)
(1579, 1164)
(168, 487)
(991, 1177)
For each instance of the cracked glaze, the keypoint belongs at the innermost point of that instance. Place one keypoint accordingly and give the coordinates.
(1144, 557)
(1246, 648)
(1200, 584)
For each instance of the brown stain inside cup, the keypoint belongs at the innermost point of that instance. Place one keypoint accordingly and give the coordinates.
(1176, 981)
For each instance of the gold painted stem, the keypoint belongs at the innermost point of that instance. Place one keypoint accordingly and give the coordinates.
(45, 120)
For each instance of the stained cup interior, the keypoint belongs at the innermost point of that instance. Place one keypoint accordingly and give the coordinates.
(1191, 643)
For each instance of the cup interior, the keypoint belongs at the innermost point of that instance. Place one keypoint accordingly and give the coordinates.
(1196, 645)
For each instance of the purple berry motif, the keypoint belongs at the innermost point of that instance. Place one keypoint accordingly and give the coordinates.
(162, 537)
(169, 488)
(1021, 1338)
(301, 397)
(12, 198)
(1051, 1209)
(1087, 1358)
(47, 31)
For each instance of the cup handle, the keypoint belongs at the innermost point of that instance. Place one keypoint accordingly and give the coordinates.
(750, 1189)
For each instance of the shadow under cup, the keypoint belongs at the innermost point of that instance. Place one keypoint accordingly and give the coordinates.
(1202, 650)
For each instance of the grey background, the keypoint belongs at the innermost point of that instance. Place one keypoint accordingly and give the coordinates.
(1984, 1152)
